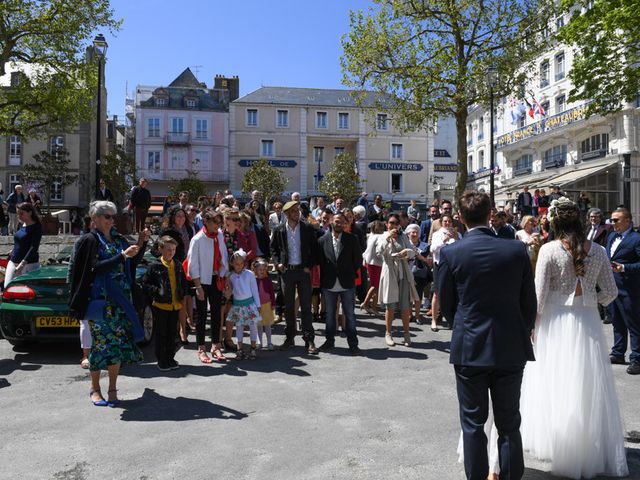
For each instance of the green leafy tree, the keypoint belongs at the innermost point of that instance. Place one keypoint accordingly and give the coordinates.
(606, 38)
(429, 57)
(191, 183)
(119, 171)
(342, 178)
(46, 41)
(49, 168)
(261, 176)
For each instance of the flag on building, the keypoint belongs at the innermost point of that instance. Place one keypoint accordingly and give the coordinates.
(537, 108)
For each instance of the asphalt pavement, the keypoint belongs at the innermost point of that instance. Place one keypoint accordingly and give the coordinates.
(388, 414)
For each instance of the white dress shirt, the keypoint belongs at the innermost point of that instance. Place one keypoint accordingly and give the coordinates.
(293, 244)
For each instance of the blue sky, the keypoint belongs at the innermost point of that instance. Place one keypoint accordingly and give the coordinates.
(292, 43)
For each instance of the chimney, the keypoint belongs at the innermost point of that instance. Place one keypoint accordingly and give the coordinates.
(231, 85)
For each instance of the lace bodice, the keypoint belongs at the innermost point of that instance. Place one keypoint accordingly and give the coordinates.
(556, 276)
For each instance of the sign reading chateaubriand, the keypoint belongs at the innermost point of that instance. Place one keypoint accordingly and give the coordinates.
(556, 121)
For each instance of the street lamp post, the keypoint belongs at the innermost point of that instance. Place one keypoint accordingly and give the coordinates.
(492, 78)
(100, 51)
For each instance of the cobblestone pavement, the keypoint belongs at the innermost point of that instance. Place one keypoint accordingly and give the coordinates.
(389, 414)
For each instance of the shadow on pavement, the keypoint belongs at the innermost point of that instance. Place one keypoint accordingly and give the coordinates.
(8, 365)
(633, 461)
(150, 370)
(152, 407)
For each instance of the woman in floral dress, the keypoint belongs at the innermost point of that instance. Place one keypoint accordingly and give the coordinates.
(101, 280)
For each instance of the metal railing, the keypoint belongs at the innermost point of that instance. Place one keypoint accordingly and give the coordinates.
(522, 171)
(177, 138)
(555, 161)
(206, 175)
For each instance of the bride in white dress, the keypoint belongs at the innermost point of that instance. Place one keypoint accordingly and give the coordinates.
(569, 405)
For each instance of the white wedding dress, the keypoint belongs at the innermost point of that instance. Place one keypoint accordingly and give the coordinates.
(569, 405)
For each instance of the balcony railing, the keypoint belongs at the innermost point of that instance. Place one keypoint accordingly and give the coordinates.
(555, 161)
(177, 138)
(469, 141)
(522, 171)
(205, 175)
(480, 136)
(559, 76)
(593, 154)
(544, 82)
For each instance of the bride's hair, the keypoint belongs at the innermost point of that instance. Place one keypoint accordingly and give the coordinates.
(567, 226)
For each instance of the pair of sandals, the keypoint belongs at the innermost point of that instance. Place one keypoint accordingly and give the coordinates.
(101, 402)
(218, 356)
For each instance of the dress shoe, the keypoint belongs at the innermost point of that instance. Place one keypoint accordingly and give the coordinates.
(634, 368)
(287, 344)
(407, 339)
(326, 346)
(355, 351)
(615, 360)
(311, 348)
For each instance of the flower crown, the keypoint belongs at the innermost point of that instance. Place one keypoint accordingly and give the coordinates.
(560, 202)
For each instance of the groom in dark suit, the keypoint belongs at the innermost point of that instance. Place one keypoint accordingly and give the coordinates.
(623, 248)
(485, 285)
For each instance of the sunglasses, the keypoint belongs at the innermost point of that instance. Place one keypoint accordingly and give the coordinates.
(108, 216)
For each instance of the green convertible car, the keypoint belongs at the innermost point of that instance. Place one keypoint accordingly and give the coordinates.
(34, 306)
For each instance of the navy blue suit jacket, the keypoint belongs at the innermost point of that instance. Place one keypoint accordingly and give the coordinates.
(425, 228)
(628, 254)
(485, 287)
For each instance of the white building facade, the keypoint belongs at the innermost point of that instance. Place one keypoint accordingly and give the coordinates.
(562, 147)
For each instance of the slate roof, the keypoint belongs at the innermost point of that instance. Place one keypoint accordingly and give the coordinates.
(319, 97)
(187, 85)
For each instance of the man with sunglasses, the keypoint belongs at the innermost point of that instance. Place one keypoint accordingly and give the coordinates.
(293, 247)
(623, 248)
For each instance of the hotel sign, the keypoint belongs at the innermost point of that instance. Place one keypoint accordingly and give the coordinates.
(575, 114)
(396, 166)
(445, 167)
(273, 163)
(441, 153)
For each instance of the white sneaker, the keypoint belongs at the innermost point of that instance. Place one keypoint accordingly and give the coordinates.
(389, 340)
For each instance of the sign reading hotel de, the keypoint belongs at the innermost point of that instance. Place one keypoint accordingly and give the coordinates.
(556, 121)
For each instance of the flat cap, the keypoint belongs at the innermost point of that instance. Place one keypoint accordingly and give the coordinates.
(289, 204)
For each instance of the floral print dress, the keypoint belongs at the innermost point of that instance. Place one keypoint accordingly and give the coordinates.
(112, 336)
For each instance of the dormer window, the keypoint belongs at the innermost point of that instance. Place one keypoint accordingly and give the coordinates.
(161, 101)
(190, 102)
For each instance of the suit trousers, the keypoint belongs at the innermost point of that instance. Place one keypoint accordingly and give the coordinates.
(140, 217)
(300, 281)
(473, 386)
(625, 325)
(214, 297)
(347, 298)
(165, 324)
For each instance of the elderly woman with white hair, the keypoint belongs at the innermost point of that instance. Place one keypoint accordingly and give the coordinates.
(419, 269)
(102, 278)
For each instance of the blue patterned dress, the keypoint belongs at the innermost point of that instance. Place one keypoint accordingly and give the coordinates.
(112, 336)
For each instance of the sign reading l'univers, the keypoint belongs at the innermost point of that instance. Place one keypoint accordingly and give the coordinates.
(398, 166)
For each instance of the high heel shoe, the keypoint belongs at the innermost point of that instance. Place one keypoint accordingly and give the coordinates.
(98, 403)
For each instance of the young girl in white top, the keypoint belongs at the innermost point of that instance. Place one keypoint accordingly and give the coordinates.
(246, 302)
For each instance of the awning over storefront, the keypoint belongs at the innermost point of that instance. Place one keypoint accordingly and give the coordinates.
(560, 178)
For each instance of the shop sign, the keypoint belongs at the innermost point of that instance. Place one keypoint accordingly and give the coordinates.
(273, 163)
(445, 167)
(441, 153)
(396, 166)
(575, 114)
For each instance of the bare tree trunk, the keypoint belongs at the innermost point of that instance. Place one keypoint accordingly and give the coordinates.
(461, 130)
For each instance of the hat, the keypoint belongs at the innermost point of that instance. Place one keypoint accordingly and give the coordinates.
(289, 204)
(411, 228)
